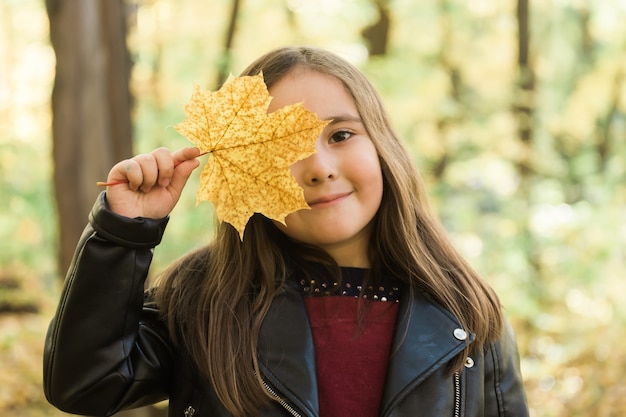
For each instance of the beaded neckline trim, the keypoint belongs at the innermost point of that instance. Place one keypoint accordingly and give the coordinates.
(351, 286)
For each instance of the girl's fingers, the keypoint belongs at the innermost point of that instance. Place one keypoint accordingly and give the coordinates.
(185, 162)
(147, 175)
(165, 166)
(159, 167)
(185, 154)
(128, 171)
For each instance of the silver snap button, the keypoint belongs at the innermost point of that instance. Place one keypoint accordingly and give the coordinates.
(460, 334)
(469, 362)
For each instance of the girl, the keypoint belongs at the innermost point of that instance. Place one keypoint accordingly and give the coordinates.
(359, 306)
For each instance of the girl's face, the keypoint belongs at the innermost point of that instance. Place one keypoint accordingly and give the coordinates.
(342, 181)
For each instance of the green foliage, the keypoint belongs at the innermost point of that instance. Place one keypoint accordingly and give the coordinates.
(544, 222)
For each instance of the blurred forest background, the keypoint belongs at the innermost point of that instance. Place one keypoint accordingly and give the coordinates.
(515, 112)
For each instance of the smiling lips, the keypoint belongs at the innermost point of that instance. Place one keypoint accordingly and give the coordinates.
(330, 198)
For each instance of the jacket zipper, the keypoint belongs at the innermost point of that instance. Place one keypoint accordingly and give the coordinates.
(294, 413)
(282, 402)
(457, 394)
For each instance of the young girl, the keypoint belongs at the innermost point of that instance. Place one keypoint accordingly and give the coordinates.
(359, 306)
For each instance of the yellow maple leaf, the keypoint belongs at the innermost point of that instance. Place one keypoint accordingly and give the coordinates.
(251, 150)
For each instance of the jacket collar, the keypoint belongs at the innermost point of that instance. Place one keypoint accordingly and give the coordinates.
(426, 338)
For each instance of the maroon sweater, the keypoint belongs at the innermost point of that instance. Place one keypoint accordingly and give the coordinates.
(352, 332)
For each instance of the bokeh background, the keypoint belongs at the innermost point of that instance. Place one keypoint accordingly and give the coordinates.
(515, 112)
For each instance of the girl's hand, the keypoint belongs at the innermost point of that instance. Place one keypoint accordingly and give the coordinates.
(151, 184)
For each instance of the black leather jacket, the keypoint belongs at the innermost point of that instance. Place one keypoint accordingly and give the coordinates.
(107, 350)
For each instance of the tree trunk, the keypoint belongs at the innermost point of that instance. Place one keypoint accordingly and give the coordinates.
(231, 29)
(450, 66)
(376, 35)
(524, 103)
(523, 110)
(91, 106)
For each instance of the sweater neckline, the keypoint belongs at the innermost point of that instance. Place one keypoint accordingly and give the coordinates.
(353, 282)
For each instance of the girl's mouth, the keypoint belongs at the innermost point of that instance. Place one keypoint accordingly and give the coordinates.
(328, 199)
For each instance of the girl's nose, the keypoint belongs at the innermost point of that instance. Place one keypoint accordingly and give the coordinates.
(315, 169)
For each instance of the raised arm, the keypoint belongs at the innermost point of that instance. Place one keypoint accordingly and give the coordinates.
(106, 348)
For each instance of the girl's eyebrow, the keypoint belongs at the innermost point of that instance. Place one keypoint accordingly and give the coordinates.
(343, 118)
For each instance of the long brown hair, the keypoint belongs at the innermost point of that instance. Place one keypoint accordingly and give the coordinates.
(215, 299)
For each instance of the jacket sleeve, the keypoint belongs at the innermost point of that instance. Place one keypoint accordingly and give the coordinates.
(106, 348)
(505, 395)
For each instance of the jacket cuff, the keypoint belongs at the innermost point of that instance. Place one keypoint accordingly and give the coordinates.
(139, 232)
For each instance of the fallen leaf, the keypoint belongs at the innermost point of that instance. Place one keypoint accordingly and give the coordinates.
(251, 150)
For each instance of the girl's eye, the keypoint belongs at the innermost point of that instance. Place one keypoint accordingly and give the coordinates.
(340, 136)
